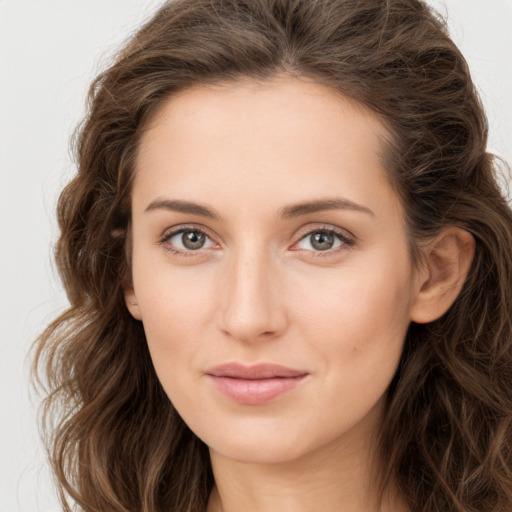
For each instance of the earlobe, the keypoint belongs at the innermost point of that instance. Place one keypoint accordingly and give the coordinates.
(131, 302)
(447, 262)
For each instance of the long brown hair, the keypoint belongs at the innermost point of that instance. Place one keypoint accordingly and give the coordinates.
(113, 437)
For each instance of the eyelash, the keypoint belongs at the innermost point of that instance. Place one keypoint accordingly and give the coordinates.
(346, 241)
(181, 252)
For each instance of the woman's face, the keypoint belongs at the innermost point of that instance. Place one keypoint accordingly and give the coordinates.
(270, 266)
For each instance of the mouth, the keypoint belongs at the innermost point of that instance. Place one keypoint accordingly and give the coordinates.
(254, 385)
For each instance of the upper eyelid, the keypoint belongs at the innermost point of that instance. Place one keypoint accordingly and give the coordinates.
(341, 232)
(180, 228)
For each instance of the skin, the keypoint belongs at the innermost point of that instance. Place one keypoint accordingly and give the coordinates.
(259, 290)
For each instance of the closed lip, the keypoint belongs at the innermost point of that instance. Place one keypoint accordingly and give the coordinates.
(254, 384)
(254, 372)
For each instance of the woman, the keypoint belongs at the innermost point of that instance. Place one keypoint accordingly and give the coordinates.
(288, 263)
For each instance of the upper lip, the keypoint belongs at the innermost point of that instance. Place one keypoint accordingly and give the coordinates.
(254, 372)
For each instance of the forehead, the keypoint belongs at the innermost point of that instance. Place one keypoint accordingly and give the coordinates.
(251, 136)
(285, 104)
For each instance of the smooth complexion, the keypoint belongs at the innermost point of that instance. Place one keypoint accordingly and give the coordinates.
(269, 246)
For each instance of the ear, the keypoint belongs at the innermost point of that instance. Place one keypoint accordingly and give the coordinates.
(447, 261)
(131, 301)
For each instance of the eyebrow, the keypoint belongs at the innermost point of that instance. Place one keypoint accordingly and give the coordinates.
(288, 212)
(336, 203)
(189, 207)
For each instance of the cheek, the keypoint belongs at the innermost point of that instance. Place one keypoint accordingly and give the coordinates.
(357, 337)
(356, 328)
(344, 312)
(176, 305)
(345, 324)
(358, 306)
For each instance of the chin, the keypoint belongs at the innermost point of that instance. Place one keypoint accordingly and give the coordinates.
(267, 441)
(274, 451)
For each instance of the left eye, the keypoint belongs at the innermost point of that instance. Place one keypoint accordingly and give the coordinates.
(189, 240)
(321, 240)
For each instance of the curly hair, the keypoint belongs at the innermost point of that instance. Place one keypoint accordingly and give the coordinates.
(114, 440)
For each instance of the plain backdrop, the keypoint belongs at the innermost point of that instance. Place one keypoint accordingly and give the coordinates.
(49, 52)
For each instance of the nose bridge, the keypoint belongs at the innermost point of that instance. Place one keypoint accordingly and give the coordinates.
(250, 306)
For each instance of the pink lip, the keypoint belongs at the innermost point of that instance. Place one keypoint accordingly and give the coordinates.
(254, 385)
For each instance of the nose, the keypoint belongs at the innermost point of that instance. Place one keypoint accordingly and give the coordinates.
(252, 305)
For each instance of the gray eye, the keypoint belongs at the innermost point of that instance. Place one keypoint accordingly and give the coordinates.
(193, 240)
(184, 241)
(322, 241)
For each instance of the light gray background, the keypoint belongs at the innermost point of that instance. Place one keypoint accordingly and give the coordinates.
(49, 52)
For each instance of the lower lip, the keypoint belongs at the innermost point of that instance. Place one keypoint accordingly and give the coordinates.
(255, 391)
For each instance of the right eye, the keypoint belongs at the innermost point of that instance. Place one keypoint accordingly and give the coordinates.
(186, 240)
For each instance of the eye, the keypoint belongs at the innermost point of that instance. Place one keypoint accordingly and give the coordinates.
(321, 240)
(187, 240)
